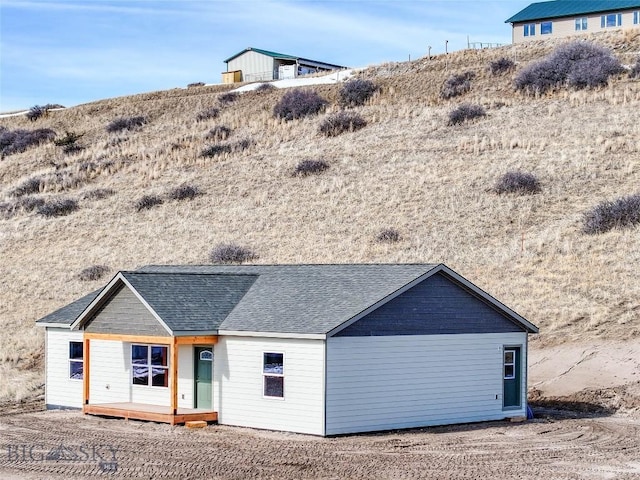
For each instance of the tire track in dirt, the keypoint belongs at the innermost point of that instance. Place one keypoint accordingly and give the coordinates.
(559, 448)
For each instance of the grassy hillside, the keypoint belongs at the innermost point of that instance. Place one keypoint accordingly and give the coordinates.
(407, 170)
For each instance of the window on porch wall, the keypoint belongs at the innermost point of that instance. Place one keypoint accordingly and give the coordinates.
(146, 359)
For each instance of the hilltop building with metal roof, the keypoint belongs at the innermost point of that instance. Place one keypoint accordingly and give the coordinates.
(566, 18)
(257, 65)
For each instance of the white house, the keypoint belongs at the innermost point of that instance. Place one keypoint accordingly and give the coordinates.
(316, 349)
(566, 18)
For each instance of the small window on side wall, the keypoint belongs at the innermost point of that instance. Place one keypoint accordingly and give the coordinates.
(636, 18)
(581, 24)
(546, 28)
(76, 361)
(529, 29)
(273, 374)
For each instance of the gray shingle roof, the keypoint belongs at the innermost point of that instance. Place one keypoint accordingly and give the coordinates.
(191, 301)
(67, 314)
(306, 299)
(570, 8)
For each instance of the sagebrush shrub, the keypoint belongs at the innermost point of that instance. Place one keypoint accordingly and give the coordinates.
(341, 122)
(195, 84)
(219, 132)
(125, 123)
(265, 87)
(466, 112)
(92, 273)
(501, 65)
(98, 194)
(184, 192)
(148, 201)
(388, 235)
(16, 141)
(356, 92)
(222, 148)
(58, 208)
(69, 139)
(29, 203)
(310, 167)
(215, 150)
(228, 97)
(577, 64)
(517, 182)
(207, 114)
(29, 186)
(231, 253)
(623, 212)
(456, 85)
(635, 69)
(36, 112)
(298, 103)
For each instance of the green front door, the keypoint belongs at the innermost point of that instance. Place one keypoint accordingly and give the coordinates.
(511, 374)
(203, 371)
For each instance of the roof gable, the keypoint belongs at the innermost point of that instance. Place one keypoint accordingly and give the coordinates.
(437, 305)
(268, 53)
(569, 8)
(180, 301)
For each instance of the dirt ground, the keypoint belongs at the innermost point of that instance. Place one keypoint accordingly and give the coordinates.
(66, 444)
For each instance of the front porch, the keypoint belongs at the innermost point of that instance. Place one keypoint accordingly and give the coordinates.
(152, 413)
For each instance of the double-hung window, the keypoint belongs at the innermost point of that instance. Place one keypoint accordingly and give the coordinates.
(529, 29)
(581, 24)
(611, 20)
(273, 374)
(149, 365)
(546, 28)
(76, 361)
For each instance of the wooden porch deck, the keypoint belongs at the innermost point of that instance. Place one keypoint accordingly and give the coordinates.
(153, 413)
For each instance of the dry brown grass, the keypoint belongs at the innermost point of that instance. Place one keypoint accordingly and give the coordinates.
(406, 169)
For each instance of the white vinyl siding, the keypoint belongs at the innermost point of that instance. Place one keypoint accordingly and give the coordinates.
(389, 382)
(109, 372)
(61, 391)
(185, 376)
(238, 384)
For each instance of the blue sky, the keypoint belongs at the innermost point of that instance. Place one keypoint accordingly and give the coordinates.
(76, 51)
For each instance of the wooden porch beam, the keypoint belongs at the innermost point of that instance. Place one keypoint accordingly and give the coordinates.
(174, 377)
(86, 361)
(197, 339)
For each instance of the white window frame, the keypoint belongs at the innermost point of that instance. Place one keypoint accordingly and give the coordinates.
(582, 24)
(604, 20)
(506, 364)
(529, 30)
(270, 374)
(543, 24)
(150, 366)
(73, 360)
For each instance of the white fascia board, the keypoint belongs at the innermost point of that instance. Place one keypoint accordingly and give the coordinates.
(239, 333)
(96, 301)
(460, 279)
(488, 298)
(65, 326)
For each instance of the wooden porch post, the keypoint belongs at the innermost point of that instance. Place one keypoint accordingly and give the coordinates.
(174, 376)
(85, 370)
